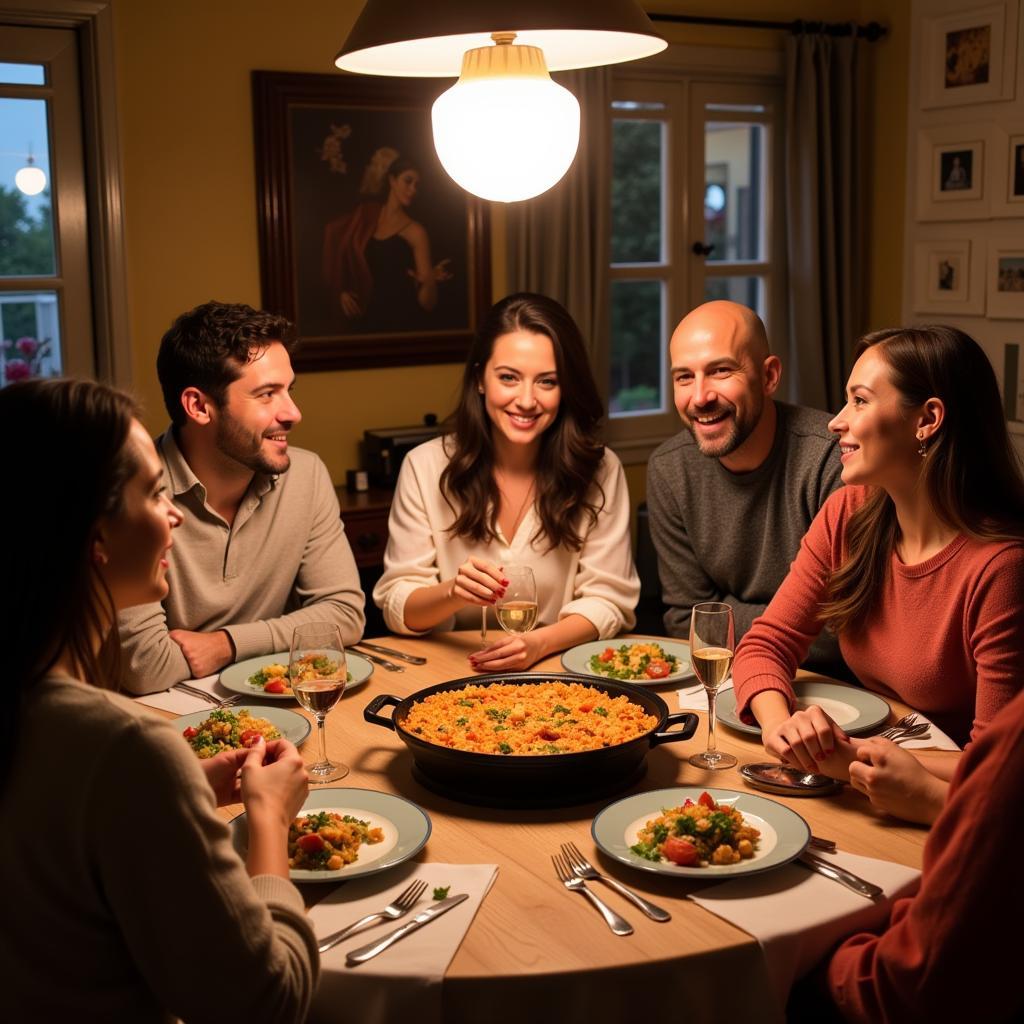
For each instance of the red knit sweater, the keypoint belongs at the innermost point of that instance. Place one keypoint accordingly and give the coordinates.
(952, 952)
(946, 636)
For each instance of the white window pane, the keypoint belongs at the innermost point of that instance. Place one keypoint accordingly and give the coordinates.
(734, 184)
(30, 333)
(26, 227)
(22, 74)
(637, 191)
(637, 348)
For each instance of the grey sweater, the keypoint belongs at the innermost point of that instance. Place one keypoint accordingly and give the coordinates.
(731, 537)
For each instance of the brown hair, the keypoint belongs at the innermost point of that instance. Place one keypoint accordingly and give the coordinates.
(570, 451)
(971, 472)
(72, 445)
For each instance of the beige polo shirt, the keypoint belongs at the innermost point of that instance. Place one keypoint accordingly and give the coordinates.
(284, 561)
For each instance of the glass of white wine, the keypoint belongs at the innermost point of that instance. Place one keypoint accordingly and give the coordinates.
(517, 608)
(318, 673)
(712, 645)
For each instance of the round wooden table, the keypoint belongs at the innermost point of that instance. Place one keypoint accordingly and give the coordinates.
(534, 947)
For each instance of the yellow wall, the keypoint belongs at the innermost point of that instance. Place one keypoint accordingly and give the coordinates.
(186, 122)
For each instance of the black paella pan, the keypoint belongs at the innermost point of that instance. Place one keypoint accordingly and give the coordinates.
(533, 780)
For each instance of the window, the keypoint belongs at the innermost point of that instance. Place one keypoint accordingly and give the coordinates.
(694, 187)
(63, 307)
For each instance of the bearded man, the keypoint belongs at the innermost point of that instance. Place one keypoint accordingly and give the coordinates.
(261, 548)
(731, 496)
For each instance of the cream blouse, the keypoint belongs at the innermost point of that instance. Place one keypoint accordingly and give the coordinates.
(598, 582)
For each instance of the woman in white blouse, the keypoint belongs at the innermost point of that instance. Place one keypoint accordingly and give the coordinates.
(522, 480)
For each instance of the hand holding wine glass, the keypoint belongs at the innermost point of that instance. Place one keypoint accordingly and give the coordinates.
(317, 672)
(712, 645)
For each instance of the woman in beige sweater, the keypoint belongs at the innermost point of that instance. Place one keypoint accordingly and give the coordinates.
(521, 479)
(127, 900)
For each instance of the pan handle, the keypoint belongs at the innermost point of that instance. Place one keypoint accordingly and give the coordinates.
(689, 722)
(383, 700)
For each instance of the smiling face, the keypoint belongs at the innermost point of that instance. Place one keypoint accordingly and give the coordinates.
(520, 387)
(876, 430)
(719, 378)
(134, 541)
(251, 425)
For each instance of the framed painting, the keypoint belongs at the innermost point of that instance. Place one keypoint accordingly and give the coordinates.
(366, 244)
(969, 56)
(1007, 171)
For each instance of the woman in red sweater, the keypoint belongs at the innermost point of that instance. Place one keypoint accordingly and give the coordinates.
(917, 564)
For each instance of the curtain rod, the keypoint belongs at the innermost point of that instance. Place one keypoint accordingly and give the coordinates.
(872, 32)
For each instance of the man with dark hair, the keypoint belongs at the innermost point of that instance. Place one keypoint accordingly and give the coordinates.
(731, 496)
(261, 548)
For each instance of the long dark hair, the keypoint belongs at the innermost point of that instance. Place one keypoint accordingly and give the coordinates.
(71, 464)
(971, 472)
(570, 451)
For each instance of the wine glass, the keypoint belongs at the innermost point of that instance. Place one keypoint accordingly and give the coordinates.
(712, 645)
(317, 672)
(517, 607)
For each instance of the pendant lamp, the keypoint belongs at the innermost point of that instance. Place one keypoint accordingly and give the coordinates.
(30, 179)
(505, 131)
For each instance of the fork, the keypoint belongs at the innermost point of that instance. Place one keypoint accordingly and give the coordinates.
(194, 691)
(906, 733)
(619, 925)
(582, 868)
(399, 907)
(906, 722)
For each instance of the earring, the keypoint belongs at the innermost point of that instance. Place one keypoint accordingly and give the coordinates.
(922, 448)
(480, 389)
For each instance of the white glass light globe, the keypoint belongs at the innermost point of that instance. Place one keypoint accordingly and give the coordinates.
(31, 180)
(506, 138)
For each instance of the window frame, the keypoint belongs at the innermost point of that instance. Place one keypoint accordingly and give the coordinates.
(682, 79)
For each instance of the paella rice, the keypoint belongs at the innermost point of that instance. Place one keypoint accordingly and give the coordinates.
(697, 834)
(327, 841)
(527, 718)
(226, 730)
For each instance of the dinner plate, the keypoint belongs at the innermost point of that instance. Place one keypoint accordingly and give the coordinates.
(577, 659)
(784, 834)
(236, 677)
(853, 709)
(406, 829)
(289, 724)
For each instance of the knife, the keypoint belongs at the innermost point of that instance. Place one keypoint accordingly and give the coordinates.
(364, 953)
(842, 876)
(412, 659)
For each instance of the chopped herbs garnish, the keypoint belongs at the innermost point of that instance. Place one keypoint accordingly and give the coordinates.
(504, 748)
(603, 712)
(441, 892)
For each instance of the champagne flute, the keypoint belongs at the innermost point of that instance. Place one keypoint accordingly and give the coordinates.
(517, 608)
(712, 645)
(317, 671)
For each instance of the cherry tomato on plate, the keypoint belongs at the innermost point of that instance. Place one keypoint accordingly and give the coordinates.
(657, 669)
(680, 851)
(250, 737)
(275, 686)
(310, 843)
(608, 655)
(707, 800)
(190, 732)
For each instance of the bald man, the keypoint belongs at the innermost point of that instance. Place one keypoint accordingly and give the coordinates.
(731, 496)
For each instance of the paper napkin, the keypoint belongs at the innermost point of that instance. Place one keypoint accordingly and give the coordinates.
(403, 982)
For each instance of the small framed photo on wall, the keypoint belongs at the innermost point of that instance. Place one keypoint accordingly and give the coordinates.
(968, 56)
(1005, 299)
(951, 172)
(1006, 188)
(948, 277)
